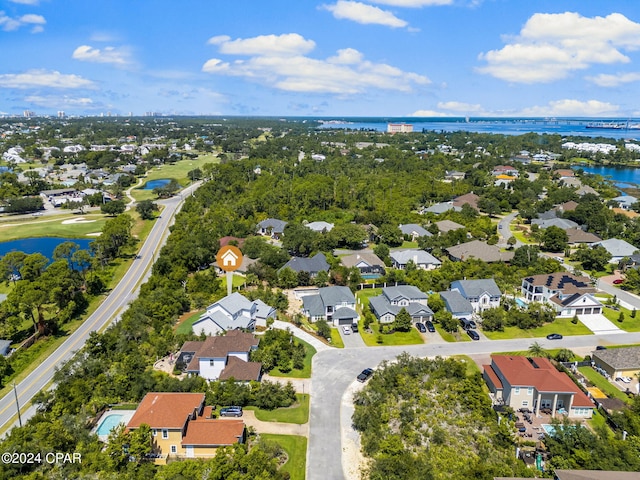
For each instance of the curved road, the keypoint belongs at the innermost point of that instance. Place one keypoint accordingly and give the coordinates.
(117, 300)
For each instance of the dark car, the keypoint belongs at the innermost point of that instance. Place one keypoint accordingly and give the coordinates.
(364, 376)
(466, 323)
(473, 334)
(430, 326)
(231, 412)
(554, 336)
(421, 328)
(354, 328)
(601, 347)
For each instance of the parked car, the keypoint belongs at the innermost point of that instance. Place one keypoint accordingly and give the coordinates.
(365, 375)
(554, 336)
(601, 347)
(467, 323)
(618, 281)
(430, 326)
(421, 328)
(346, 329)
(354, 328)
(231, 412)
(473, 334)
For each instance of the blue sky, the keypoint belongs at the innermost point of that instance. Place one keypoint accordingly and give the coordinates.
(321, 58)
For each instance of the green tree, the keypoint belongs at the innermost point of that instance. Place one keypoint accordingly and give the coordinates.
(324, 330)
(146, 209)
(113, 208)
(554, 239)
(537, 350)
(403, 321)
(10, 265)
(595, 258)
(287, 278)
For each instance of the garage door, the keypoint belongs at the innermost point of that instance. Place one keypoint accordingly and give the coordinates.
(345, 321)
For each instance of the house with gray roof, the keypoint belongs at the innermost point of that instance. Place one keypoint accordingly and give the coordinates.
(314, 265)
(335, 304)
(420, 258)
(480, 250)
(586, 189)
(320, 227)
(456, 304)
(618, 249)
(393, 299)
(233, 312)
(446, 226)
(5, 347)
(440, 208)
(482, 294)
(562, 223)
(625, 201)
(368, 263)
(618, 362)
(414, 231)
(271, 227)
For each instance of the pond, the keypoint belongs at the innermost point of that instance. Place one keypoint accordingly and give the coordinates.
(623, 176)
(160, 182)
(43, 245)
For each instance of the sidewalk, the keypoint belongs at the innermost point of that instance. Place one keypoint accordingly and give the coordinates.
(302, 335)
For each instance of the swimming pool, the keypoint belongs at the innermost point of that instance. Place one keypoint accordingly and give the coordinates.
(521, 303)
(108, 423)
(548, 429)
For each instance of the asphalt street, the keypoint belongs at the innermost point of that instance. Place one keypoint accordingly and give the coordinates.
(113, 306)
(336, 369)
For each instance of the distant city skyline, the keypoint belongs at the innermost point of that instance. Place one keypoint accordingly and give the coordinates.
(342, 58)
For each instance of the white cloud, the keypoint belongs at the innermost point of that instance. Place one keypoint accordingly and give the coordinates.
(43, 78)
(551, 46)
(59, 102)
(9, 24)
(26, 2)
(413, 3)
(346, 73)
(605, 80)
(461, 107)
(431, 113)
(572, 108)
(287, 44)
(118, 57)
(365, 14)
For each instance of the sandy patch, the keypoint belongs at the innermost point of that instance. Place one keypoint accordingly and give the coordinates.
(94, 234)
(77, 220)
(353, 461)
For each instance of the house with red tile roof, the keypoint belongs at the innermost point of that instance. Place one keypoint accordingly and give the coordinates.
(182, 427)
(534, 383)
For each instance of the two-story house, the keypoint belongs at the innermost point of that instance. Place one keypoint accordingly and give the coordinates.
(569, 294)
(393, 299)
(421, 259)
(482, 294)
(336, 305)
(222, 357)
(534, 383)
(182, 427)
(233, 312)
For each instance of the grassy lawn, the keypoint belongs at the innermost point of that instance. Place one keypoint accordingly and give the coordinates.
(472, 367)
(237, 281)
(294, 373)
(297, 413)
(412, 337)
(336, 339)
(629, 324)
(51, 227)
(560, 325)
(296, 448)
(187, 320)
(407, 244)
(602, 383)
(459, 336)
(177, 171)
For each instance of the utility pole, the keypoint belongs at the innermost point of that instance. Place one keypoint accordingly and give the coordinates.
(15, 392)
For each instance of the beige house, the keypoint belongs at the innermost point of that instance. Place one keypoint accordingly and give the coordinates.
(618, 362)
(182, 427)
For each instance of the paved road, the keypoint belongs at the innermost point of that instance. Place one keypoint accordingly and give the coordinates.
(334, 371)
(504, 230)
(112, 306)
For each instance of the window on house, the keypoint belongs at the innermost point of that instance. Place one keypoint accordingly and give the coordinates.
(516, 391)
(530, 391)
(211, 362)
(165, 433)
(525, 403)
(154, 432)
(174, 449)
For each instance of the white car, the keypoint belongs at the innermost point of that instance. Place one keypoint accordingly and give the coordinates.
(346, 330)
(624, 379)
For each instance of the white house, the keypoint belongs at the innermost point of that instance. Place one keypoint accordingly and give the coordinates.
(336, 305)
(569, 294)
(482, 294)
(233, 312)
(393, 299)
(420, 258)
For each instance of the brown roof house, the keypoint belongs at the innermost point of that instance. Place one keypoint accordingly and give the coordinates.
(569, 294)
(469, 198)
(222, 357)
(480, 250)
(577, 236)
(367, 262)
(182, 427)
(522, 382)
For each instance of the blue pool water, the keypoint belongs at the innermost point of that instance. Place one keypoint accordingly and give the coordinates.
(108, 423)
(151, 184)
(548, 429)
(521, 303)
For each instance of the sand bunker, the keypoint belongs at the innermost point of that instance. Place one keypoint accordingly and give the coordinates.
(77, 220)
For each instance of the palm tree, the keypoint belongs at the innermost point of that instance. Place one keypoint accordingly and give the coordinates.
(564, 355)
(536, 350)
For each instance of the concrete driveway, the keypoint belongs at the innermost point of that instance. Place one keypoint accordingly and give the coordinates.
(599, 324)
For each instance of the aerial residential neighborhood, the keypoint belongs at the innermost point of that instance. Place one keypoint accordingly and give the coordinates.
(500, 300)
